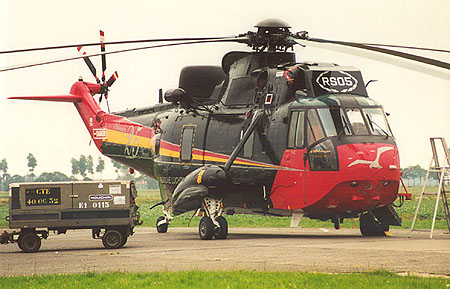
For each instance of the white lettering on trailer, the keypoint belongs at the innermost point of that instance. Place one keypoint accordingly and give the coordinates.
(100, 205)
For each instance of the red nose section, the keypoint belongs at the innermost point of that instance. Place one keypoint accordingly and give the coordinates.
(368, 177)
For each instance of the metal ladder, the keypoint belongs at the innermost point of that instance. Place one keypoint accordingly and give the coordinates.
(443, 172)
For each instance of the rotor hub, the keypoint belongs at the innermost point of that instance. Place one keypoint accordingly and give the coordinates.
(273, 34)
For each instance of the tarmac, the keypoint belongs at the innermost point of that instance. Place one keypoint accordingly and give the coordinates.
(267, 249)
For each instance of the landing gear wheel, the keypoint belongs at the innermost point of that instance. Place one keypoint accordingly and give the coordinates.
(370, 227)
(112, 239)
(222, 231)
(29, 243)
(163, 227)
(206, 228)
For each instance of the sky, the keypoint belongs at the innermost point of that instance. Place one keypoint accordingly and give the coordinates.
(416, 96)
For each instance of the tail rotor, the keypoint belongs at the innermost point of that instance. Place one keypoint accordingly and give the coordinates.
(102, 81)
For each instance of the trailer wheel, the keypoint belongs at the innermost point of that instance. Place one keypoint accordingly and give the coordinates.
(112, 239)
(19, 242)
(29, 243)
(124, 241)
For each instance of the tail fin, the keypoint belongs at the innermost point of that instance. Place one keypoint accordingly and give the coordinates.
(58, 98)
(113, 135)
(81, 95)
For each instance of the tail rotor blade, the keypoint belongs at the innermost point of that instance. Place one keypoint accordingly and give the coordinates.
(103, 49)
(89, 63)
(112, 79)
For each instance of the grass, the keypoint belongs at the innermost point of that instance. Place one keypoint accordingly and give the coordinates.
(225, 279)
(147, 198)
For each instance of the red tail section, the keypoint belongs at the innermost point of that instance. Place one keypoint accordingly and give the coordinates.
(113, 135)
(89, 110)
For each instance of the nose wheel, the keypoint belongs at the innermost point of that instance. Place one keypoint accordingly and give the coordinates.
(369, 226)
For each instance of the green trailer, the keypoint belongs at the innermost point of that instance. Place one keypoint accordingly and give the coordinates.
(108, 208)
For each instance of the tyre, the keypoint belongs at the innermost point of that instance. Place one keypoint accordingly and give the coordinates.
(206, 228)
(163, 227)
(124, 241)
(29, 243)
(19, 242)
(370, 227)
(112, 239)
(222, 231)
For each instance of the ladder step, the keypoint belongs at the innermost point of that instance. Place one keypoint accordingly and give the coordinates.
(443, 173)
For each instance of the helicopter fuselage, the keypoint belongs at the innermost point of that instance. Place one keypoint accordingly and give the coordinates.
(320, 147)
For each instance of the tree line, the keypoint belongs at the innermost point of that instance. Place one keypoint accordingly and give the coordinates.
(82, 169)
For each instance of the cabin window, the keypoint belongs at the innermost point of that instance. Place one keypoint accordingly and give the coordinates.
(334, 121)
(187, 141)
(314, 129)
(357, 122)
(241, 91)
(377, 121)
(296, 135)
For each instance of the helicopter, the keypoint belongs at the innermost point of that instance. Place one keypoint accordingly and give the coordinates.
(260, 134)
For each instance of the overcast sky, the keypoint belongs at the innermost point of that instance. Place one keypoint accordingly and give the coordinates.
(418, 102)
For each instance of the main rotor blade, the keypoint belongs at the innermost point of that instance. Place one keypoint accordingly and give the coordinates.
(112, 43)
(409, 56)
(408, 47)
(235, 39)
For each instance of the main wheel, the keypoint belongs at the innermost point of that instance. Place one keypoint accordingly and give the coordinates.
(163, 227)
(222, 231)
(369, 226)
(206, 228)
(29, 243)
(112, 239)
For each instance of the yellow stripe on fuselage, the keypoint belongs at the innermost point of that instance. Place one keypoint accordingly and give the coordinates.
(118, 137)
(199, 157)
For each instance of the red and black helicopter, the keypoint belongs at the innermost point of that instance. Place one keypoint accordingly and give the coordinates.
(260, 134)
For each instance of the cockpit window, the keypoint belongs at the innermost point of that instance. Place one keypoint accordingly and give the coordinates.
(334, 121)
(377, 121)
(357, 122)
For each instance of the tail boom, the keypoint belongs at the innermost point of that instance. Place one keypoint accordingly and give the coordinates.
(114, 136)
